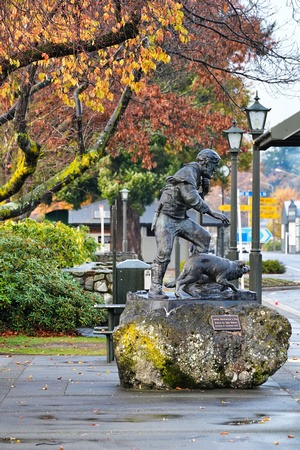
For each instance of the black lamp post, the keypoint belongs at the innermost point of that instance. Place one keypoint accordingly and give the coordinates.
(256, 115)
(223, 172)
(124, 195)
(234, 136)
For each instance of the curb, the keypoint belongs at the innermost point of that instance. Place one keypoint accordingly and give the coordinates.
(281, 288)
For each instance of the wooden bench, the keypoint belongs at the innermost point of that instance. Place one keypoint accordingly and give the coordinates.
(113, 310)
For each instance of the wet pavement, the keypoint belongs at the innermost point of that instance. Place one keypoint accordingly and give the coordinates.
(76, 403)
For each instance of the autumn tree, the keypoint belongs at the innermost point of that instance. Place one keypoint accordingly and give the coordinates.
(69, 70)
(281, 195)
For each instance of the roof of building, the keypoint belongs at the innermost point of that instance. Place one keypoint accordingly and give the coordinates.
(284, 134)
(90, 214)
(148, 215)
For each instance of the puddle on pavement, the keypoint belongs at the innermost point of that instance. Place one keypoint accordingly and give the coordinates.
(139, 418)
(10, 440)
(247, 421)
(47, 417)
(135, 418)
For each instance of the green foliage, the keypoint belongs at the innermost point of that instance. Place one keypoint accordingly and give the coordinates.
(273, 266)
(70, 246)
(268, 246)
(284, 158)
(143, 184)
(80, 190)
(34, 294)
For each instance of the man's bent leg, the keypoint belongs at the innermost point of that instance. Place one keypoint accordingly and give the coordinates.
(196, 234)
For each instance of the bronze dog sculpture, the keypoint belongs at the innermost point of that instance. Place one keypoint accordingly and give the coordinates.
(203, 268)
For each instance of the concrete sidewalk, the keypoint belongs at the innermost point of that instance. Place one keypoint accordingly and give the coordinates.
(76, 403)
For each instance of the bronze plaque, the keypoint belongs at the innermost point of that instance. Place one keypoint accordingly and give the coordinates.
(225, 322)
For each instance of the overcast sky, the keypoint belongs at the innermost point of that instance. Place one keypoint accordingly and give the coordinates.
(288, 103)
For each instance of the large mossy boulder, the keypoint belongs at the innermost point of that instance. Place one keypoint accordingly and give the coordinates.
(164, 350)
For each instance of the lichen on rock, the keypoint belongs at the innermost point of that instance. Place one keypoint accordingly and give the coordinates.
(161, 350)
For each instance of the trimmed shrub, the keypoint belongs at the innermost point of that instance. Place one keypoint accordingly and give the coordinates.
(70, 246)
(35, 295)
(273, 266)
(268, 246)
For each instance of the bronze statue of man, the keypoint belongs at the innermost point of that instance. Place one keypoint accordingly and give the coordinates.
(183, 191)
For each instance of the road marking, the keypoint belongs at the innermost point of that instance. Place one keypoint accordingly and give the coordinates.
(280, 305)
(294, 268)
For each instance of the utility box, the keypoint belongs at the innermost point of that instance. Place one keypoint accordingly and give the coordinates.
(131, 275)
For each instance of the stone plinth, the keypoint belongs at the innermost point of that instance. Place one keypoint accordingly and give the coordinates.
(164, 344)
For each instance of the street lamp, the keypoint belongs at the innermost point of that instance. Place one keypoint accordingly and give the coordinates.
(256, 115)
(234, 136)
(124, 196)
(268, 184)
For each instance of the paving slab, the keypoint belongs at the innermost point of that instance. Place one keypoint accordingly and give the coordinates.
(76, 403)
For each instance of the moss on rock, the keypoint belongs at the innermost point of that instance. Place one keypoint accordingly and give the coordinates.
(163, 350)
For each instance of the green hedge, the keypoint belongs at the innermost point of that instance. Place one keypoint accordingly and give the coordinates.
(273, 266)
(268, 246)
(70, 246)
(34, 294)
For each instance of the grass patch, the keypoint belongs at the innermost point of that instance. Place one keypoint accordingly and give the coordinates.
(273, 282)
(62, 345)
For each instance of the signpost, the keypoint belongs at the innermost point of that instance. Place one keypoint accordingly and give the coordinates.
(263, 208)
(267, 200)
(267, 211)
(267, 215)
(225, 207)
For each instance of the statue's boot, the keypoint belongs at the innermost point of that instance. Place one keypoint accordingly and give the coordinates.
(157, 274)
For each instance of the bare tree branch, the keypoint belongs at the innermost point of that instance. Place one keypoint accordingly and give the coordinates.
(78, 109)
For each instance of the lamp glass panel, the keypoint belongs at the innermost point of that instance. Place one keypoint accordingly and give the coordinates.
(124, 194)
(234, 140)
(257, 119)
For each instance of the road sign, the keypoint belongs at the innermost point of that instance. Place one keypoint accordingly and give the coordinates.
(225, 207)
(265, 235)
(267, 200)
(269, 208)
(267, 215)
(248, 208)
(249, 194)
(264, 200)
(246, 234)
